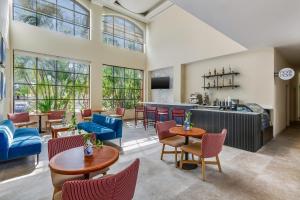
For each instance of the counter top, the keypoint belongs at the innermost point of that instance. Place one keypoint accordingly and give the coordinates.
(170, 104)
(224, 111)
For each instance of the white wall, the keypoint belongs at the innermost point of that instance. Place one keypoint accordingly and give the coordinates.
(256, 77)
(175, 37)
(4, 27)
(38, 40)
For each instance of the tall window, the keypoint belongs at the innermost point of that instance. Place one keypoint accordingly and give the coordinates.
(45, 83)
(122, 87)
(122, 33)
(66, 16)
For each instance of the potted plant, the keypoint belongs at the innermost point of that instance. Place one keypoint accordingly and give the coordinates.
(89, 143)
(187, 122)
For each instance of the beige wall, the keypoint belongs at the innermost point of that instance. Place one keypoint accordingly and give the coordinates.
(38, 40)
(4, 21)
(256, 77)
(175, 37)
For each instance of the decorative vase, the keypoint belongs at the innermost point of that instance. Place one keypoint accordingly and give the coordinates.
(88, 148)
(187, 126)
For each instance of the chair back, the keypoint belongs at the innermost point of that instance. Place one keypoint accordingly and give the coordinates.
(139, 108)
(120, 186)
(163, 110)
(7, 130)
(120, 111)
(178, 112)
(212, 143)
(162, 129)
(58, 114)
(58, 145)
(18, 117)
(86, 113)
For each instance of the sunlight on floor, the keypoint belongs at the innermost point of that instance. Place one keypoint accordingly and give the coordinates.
(134, 144)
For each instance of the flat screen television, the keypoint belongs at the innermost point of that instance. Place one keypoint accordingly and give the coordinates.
(160, 83)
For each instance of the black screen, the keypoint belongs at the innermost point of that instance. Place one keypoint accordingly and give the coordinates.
(160, 83)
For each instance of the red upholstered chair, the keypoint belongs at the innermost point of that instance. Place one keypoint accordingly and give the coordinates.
(162, 114)
(139, 109)
(120, 186)
(150, 117)
(20, 119)
(120, 112)
(210, 146)
(54, 117)
(58, 145)
(178, 114)
(167, 138)
(86, 114)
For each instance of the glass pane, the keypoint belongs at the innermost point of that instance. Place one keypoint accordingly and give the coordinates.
(129, 45)
(81, 104)
(81, 80)
(79, 8)
(118, 103)
(30, 4)
(138, 84)
(129, 83)
(138, 74)
(46, 22)
(108, 19)
(66, 3)
(119, 32)
(137, 95)
(108, 82)
(65, 27)
(82, 19)
(107, 71)
(24, 16)
(129, 104)
(118, 42)
(129, 27)
(108, 104)
(129, 73)
(129, 94)
(108, 39)
(130, 36)
(119, 82)
(24, 62)
(107, 28)
(65, 14)
(26, 76)
(24, 106)
(66, 104)
(64, 92)
(119, 23)
(45, 92)
(65, 79)
(46, 64)
(46, 77)
(22, 92)
(46, 8)
(119, 71)
(108, 93)
(82, 32)
(81, 92)
(139, 47)
(64, 65)
(81, 68)
(119, 94)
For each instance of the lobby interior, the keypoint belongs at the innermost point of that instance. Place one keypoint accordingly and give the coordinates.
(140, 78)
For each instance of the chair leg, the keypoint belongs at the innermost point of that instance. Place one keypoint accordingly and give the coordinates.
(193, 158)
(162, 152)
(203, 168)
(176, 164)
(37, 159)
(120, 142)
(55, 191)
(219, 164)
(181, 158)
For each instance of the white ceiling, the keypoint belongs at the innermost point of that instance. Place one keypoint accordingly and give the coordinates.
(139, 6)
(253, 23)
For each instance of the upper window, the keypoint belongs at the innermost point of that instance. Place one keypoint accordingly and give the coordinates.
(66, 16)
(123, 33)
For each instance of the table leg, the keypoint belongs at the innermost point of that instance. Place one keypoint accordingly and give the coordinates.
(188, 166)
(86, 176)
(40, 124)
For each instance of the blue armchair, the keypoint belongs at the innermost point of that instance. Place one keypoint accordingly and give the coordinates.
(18, 143)
(105, 128)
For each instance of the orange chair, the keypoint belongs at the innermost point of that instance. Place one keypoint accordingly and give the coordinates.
(167, 138)
(54, 117)
(86, 114)
(20, 119)
(120, 112)
(210, 146)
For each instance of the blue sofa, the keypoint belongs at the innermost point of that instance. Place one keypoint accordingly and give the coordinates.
(18, 143)
(105, 128)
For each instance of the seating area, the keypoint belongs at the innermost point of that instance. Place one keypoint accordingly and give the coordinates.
(149, 100)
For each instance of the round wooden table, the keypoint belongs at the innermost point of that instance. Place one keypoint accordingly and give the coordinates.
(194, 132)
(73, 161)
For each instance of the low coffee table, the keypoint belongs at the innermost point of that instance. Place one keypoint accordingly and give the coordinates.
(59, 128)
(69, 133)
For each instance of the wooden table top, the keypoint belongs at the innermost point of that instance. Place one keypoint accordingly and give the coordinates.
(99, 110)
(38, 114)
(73, 161)
(198, 132)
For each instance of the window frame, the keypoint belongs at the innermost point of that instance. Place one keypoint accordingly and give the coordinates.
(124, 33)
(36, 99)
(55, 16)
(124, 78)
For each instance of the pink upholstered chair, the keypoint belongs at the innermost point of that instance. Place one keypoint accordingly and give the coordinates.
(58, 145)
(120, 112)
(54, 117)
(210, 146)
(167, 138)
(20, 119)
(86, 114)
(120, 186)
